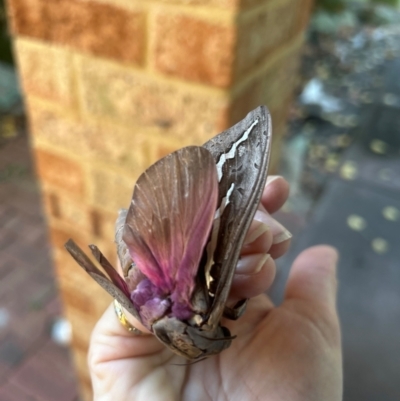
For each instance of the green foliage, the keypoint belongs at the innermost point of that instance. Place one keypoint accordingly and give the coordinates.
(393, 3)
(5, 42)
(336, 6)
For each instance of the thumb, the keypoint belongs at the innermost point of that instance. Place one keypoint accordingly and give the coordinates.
(313, 277)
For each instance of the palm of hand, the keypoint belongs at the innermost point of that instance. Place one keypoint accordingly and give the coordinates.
(284, 353)
(291, 352)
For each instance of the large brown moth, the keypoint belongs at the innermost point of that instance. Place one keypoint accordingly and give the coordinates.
(180, 240)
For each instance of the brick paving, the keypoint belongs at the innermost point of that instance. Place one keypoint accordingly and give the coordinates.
(32, 366)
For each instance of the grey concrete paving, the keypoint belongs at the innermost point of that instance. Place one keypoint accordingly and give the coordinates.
(357, 210)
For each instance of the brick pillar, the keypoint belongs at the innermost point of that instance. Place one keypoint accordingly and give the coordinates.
(112, 85)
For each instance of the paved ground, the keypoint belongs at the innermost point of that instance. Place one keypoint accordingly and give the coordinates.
(357, 210)
(32, 366)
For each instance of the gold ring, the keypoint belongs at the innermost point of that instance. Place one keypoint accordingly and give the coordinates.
(124, 321)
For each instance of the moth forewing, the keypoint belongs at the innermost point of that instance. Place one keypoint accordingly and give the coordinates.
(242, 156)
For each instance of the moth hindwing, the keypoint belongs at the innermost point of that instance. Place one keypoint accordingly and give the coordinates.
(180, 240)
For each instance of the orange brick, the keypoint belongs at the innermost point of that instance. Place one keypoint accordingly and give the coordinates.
(80, 292)
(271, 88)
(81, 363)
(61, 232)
(164, 108)
(250, 3)
(26, 17)
(60, 172)
(75, 213)
(77, 295)
(99, 29)
(110, 190)
(265, 31)
(59, 237)
(51, 204)
(276, 150)
(45, 71)
(281, 80)
(164, 150)
(194, 49)
(82, 296)
(280, 113)
(81, 342)
(306, 13)
(221, 4)
(80, 359)
(54, 128)
(106, 143)
(230, 4)
(86, 300)
(85, 390)
(107, 246)
(103, 224)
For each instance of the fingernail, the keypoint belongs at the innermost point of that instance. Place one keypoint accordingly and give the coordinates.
(256, 229)
(279, 232)
(283, 236)
(272, 178)
(251, 264)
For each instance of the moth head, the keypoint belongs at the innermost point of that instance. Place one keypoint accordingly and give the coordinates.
(191, 342)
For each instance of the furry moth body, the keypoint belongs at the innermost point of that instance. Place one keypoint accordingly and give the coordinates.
(180, 239)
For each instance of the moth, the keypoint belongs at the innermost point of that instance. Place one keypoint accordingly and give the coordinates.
(180, 240)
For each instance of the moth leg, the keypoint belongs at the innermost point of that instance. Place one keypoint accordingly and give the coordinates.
(237, 311)
(109, 269)
(81, 258)
(103, 261)
(117, 291)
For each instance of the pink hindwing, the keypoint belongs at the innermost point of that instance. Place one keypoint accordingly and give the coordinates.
(170, 218)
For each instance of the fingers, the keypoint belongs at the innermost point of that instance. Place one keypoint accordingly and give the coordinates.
(266, 235)
(109, 324)
(116, 342)
(275, 193)
(278, 231)
(253, 276)
(258, 239)
(313, 277)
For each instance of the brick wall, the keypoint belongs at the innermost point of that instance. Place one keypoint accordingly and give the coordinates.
(113, 85)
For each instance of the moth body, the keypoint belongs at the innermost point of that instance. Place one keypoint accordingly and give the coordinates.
(179, 242)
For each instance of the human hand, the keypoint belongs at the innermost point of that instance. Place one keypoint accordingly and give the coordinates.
(290, 352)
